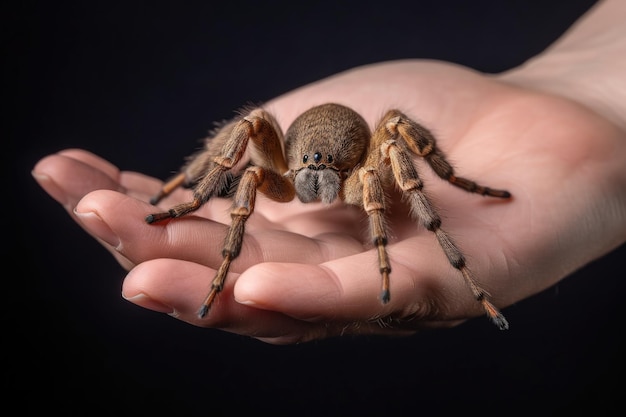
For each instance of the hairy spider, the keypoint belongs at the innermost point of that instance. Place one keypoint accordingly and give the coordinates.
(329, 153)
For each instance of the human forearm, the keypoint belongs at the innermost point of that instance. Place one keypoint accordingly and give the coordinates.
(587, 64)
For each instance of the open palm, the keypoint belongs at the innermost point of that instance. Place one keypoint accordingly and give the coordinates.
(308, 271)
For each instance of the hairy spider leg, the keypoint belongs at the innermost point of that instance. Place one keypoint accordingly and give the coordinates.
(242, 208)
(408, 180)
(411, 185)
(254, 179)
(374, 206)
(423, 143)
(197, 164)
(258, 133)
(215, 179)
(168, 187)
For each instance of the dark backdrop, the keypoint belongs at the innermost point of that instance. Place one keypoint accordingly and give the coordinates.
(139, 83)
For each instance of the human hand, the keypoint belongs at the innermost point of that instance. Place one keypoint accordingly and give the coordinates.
(307, 271)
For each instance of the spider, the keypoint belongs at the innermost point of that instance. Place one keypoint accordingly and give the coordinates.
(329, 153)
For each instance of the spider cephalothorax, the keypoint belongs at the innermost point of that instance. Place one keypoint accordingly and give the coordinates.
(329, 153)
(322, 146)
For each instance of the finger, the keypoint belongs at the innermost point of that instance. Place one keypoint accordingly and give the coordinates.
(92, 160)
(69, 175)
(119, 221)
(423, 289)
(72, 173)
(178, 288)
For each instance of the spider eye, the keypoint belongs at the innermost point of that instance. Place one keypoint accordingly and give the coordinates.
(329, 159)
(305, 158)
(317, 156)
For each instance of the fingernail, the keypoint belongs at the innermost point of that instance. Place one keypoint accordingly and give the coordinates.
(249, 303)
(142, 300)
(92, 221)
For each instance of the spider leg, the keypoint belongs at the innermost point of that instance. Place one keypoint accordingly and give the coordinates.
(168, 187)
(216, 176)
(197, 164)
(423, 143)
(254, 179)
(259, 134)
(411, 185)
(374, 206)
(243, 206)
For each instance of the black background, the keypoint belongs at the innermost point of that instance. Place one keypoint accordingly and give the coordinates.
(138, 83)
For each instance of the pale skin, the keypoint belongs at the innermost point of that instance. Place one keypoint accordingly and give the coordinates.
(552, 132)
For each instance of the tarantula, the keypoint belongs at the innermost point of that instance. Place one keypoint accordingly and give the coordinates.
(329, 153)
